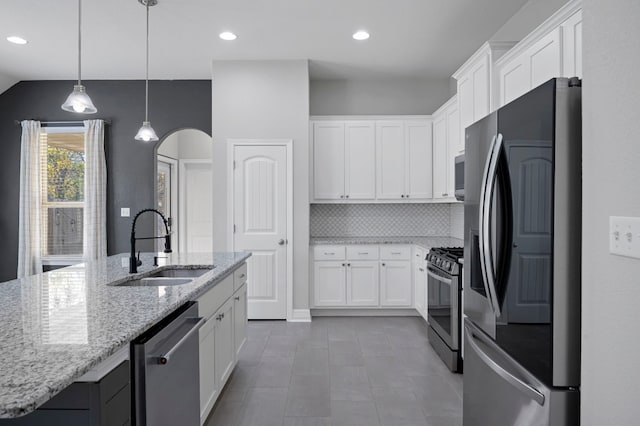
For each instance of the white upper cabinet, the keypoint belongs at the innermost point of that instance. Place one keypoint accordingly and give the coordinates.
(360, 160)
(344, 160)
(404, 152)
(476, 97)
(328, 160)
(446, 145)
(418, 145)
(391, 159)
(554, 49)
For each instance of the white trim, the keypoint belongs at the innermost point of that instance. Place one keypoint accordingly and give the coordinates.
(449, 200)
(182, 242)
(300, 315)
(487, 48)
(445, 105)
(554, 21)
(367, 117)
(288, 144)
(175, 197)
(366, 312)
(62, 260)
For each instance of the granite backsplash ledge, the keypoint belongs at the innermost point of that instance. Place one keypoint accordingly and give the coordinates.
(379, 220)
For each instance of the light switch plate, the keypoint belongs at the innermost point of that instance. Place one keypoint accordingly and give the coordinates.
(624, 236)
(125, 212)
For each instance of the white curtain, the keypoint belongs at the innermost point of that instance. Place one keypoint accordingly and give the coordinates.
(95, 191)
(29, 249)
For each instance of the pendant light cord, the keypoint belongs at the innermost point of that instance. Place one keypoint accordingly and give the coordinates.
(146, 85)
(79, 41)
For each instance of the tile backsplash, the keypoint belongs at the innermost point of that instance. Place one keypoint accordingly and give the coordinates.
(457, 220)
(381, 220)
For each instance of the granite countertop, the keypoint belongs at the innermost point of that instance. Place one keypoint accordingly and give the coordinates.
(56, 326)
(424, 242)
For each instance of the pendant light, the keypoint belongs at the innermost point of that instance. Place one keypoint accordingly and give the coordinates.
(78, 101)
(146, 132)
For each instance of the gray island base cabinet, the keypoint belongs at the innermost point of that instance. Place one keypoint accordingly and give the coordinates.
(103, 403)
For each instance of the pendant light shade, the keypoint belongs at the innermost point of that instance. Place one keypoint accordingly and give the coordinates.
(78, 101)
(146, 132)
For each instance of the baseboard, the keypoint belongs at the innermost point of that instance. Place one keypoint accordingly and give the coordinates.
(300, 315)
(409, 312)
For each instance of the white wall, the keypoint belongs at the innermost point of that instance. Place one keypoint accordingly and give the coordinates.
(169, 146)
(258, 100)
(611, 153)
(371, 97)
(531, 14)
(6, 82)
(186, 144)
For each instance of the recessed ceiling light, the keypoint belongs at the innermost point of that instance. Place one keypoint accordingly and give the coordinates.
(228, 36)
(361, 35)
(16, 40)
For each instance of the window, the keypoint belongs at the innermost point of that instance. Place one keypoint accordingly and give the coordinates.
(62, 171)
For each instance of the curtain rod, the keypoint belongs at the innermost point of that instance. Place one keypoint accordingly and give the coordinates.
(69, 123)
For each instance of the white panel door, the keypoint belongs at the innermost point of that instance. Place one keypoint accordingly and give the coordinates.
(481, 88)
(360, 160)
(260, 221)
(329, 283)
(440, 157)
(514, 79)
(545, 59)
(390, 150)
(362, 283)
(328, 160)
(572, 46)
(196, 205)
(396, 288)
(419, 177)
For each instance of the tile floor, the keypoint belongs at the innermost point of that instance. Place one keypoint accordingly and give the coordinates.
(340, 371)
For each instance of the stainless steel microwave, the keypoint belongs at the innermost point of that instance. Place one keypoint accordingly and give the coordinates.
(459, 177)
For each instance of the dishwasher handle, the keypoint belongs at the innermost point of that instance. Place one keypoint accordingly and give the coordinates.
(164, 359)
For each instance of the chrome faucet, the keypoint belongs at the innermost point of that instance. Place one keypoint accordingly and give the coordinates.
(134, 261)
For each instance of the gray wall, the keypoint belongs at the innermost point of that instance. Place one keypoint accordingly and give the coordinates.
(381, 97)
(611, 154)
(130, 164)
(531, 14)
(264, 100)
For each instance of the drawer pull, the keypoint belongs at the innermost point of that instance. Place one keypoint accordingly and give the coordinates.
(237, 298)
(363, 252)
(328, 254)
(396, 252)
(241, 276)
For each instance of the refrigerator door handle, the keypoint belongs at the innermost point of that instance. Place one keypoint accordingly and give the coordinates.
(525, 388)
(484, 267)
(486, 221)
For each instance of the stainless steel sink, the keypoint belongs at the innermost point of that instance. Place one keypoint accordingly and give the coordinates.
(155, 282)
(180, 273)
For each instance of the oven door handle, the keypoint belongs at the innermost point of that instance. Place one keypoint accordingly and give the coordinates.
(438, 277)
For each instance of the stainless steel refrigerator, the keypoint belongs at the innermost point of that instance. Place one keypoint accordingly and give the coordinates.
(522, 215)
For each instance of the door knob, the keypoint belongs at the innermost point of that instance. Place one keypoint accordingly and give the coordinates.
(281, 242)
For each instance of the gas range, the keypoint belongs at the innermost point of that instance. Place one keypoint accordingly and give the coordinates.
(447, 259)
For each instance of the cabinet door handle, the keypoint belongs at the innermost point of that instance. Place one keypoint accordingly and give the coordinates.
(444, 194)
(402, 196)
(421, 270)
(407, 196)
(343, 264)
(384, 264)
(241, 276)
(346, 196)
(342, 196)
(348, 264)
(237, 298)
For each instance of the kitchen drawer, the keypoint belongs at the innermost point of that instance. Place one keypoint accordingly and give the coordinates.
(209, 302)
(362, 252)
(395, 252)
(239, 276)
(329, 252)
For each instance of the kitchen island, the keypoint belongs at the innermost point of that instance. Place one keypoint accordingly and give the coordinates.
(57, 326)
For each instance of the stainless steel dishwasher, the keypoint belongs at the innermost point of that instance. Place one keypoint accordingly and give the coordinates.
(165, 371)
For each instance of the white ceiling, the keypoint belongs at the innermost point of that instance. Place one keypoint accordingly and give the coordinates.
(409, 38)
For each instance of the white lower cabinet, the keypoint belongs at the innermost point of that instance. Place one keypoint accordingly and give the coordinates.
(362, 283)
(225, 349)
(240, 317)
(330, 283)
(420, 283)
(395, 283)
(221, 337)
